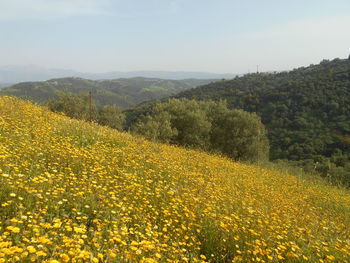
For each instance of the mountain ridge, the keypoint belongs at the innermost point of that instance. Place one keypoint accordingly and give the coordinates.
(122, 92)
(26, 73)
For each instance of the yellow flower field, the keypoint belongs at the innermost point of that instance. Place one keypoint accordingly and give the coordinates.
(77, 192)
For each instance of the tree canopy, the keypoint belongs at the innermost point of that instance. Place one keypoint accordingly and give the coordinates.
(83, 107)
(206, 125)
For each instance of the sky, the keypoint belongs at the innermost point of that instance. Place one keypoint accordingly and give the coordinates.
(219, 36)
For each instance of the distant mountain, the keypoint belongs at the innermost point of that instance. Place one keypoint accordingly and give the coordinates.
(174, 75)
(122, 92)
(4, 85)
(16, 74)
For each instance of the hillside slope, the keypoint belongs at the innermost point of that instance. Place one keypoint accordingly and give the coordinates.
(77, 191)
(307, 110)
(122, 92)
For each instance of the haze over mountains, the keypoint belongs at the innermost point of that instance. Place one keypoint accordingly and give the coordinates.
(16, 74)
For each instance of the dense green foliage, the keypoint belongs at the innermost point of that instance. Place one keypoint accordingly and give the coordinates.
(82, 107)
(112, 116)
(306, 112)
(74, 106)
(206, 125)
(121, 92)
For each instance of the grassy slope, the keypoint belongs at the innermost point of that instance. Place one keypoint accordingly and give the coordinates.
(77, 191)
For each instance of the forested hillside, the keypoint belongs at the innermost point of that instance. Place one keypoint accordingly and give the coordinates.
(306, 110)
(121, 92)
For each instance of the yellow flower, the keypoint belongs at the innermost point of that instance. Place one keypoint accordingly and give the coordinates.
(31, 249)
(41, 254)
(112, 254)
(79, 230)
(148, 260)
(330, 257)
(84, 254)
(13, 229)
(64, 257)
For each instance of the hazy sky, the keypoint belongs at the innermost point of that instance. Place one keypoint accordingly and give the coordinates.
(222, 36)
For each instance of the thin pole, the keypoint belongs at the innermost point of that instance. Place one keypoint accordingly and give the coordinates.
(90, 105)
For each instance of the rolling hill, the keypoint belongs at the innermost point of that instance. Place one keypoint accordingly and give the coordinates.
(77, 192)
(306, 110)
(122, 92)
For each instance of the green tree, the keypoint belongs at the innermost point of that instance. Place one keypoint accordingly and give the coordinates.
(188, 118)
(239, 135)
(157, 127)
(112, 116)
(206, 125)
(73, 106)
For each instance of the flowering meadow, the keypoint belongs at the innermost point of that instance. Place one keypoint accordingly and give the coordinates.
(77, 192)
